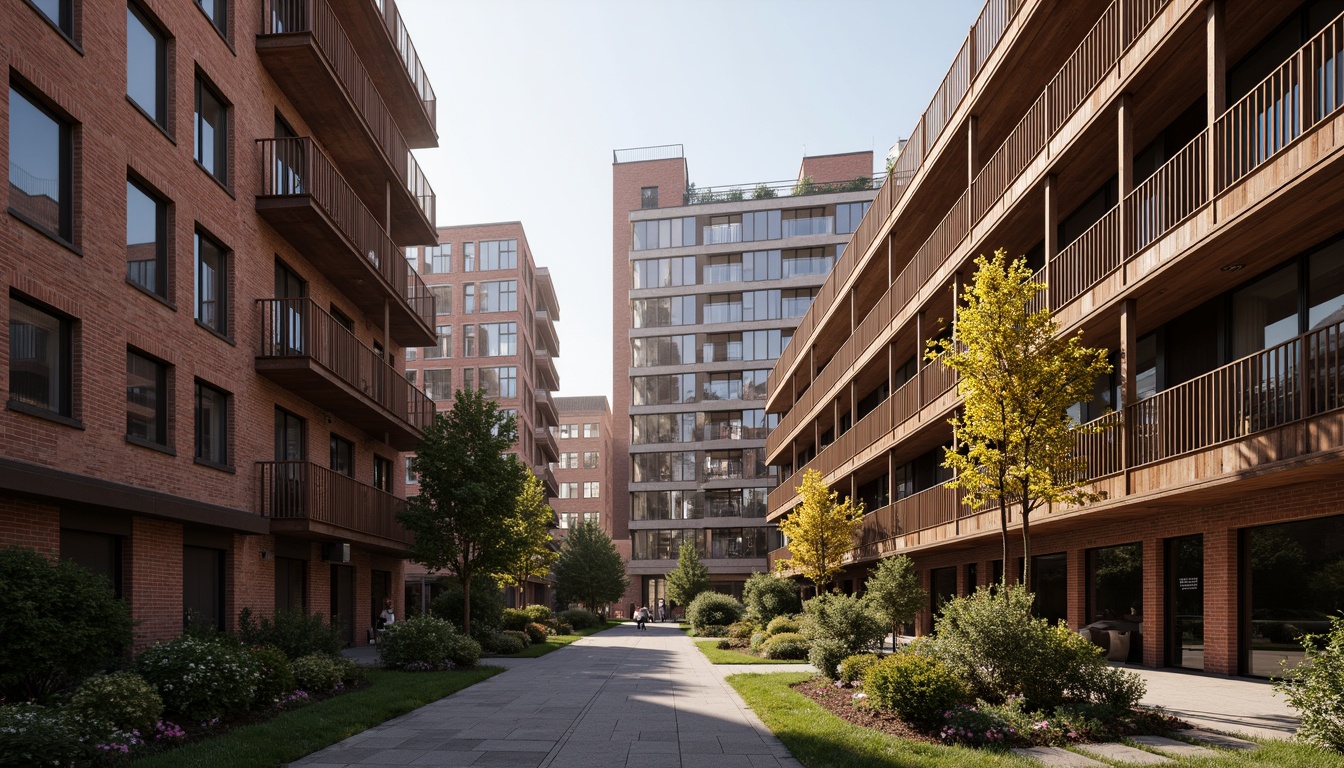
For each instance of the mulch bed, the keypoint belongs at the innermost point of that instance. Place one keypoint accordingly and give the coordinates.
(840, 702)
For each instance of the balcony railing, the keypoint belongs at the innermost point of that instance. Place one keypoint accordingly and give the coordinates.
(396, 26)
(733, 432)
(302, 490)
(768, 190)
(314, 17)
(815, 225)
(722, 233)
(299, 168)
(300, 328)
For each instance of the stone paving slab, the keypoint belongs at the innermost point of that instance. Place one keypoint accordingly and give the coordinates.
(1173, 747)
(1123, 753)
(1220, 740)
(1055, 756)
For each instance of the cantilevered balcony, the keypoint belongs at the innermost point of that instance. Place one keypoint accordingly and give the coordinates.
(310, 57)
(308, 352)
(308, 202)
(383, 41)
(546, 407)
(545, 325)
(547, 478)
(306, 500)
(550, 378)
(546, 441)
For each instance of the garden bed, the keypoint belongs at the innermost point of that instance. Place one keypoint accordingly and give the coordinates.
(739, 655)
(555, 642)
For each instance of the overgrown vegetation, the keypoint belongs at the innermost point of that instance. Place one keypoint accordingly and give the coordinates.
(1315, 688)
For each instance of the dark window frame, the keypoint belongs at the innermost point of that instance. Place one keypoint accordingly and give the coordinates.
(65, 25)
(338, 445)
(220, 145)
(64, 232)
(66, 381)
(161, 398)
(382, 473)
(226, 412)
(162, 281)
(160, 116)
(221, 298)
(220, 24)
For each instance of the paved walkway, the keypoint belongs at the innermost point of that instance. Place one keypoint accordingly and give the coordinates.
(622, 697)
(1232, 704)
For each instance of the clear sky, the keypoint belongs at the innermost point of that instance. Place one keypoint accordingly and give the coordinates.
(533, 96)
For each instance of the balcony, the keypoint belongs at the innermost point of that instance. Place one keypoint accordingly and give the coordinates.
(547, 478)
(546, 407)
(717, 234)
(309, 501)
(306, 351)
(309, 203)
(546, 372)
(306, 50)
(546, 442)
(378, 32)
(545, 325)
(816, 225)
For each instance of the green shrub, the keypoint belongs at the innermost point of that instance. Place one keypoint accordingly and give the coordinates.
(918, 688)
(294, 632)
(994, 643)
(536, 633)
(767, 596)
(712, 630)
(562, 628)
(426, 642)
(826, 654)
(782, 624)
(713, 608)
(60, 623)
(724, 645)
(201, 679)
(121, 701)
(316, 673)
(853, 667)
(758, 640)
(507, 644)
(351, 672)
(32, 736)
(277, 679)
(527, 641)
(1315, 688)
(786, 645)
(487, 606)
(741, 630)
(578, 618)
(515, 620)
(840, 626)
(538, 614)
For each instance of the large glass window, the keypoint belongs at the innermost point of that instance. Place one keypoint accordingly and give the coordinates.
(663, 350)
(592, 489)
(445, 346)
(212, 132)
(498, 339)
(443, 299)
(212, 425)
(439, 259)
(39, 165)
(211, 284)
(218, 13)
(663, 312)
(469, 340)
(59, 12)
(664, 545)
(1325, 287)
(1295, 575)
(439, 383)
(39, 358)
(469, 298)
(664, 428)
(498, 254)
(146, 66)
(499, 382)
(1115, 585)
(146, 399)
(848, 216)
(665, 233)
(468, 257)
(807, 261)
(342, 456)
(942, 587)
(499, 296)
(664, 467)
(664, 273)
(590, 459)
(1264, 313)
(146, 240)
(1050, 582)
(741, 542)
(663, 390)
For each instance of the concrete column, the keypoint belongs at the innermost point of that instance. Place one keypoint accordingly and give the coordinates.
(1124, 158)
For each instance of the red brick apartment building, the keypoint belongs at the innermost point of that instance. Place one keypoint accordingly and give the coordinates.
(708, 286)
(207, 301)
(583, 468)
(495, 329)
(1173, 170)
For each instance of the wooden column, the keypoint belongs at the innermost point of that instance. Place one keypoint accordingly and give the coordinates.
(1124, 158)
(1215, 84)
(1129, 371)
(919, 357)
(972, 165)
(1051, 234)
(891, 271)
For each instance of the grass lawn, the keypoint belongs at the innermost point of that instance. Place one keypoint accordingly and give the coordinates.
(717, 656)
(556, 642)
(819, 739)
(294, 734)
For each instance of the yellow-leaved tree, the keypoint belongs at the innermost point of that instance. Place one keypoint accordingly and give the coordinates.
(1015, 439)
(532, 550)
(820, 530)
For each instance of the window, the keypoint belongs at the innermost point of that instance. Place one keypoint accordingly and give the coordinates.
(663, 390)
(58, 12)
(413, 259)
(590, 459)
(146, 66)
(499, 296)
(648, 197)
(146, 240)
(569, 490)
(591, 517)
(146, 399)
(500, 382)
(410, 353)
(591, 430)
(412, 375)
(664, 273)
(664, 350)
(411, 475)
(203, 587)
(342, 456)
(499, 339)
(212, 425)
(592, 489)
(664, 233)
(568, 520)
(468, 257)
(212, 132)
(39, 166)
(569, 430)
(666, 311)
(218, 13)
(848, 216)
(445, 346)
(468, 378)
(211, 284)
(468, 341)
(443, 299)
(469, 298)
(569, 460)
(439, 383)
(499, 254)
(39, 358)
(439, 259)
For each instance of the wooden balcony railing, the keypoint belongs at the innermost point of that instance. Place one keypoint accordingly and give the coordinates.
(1086, 261)
(300, 328)
(299, 168)
(302, 490)
(314, 17)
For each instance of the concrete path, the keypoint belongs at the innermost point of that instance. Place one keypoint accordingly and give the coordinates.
(1231, 704)
(621, 697)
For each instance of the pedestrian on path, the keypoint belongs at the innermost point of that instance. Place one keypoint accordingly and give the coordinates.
(641, 616)
(662, 610)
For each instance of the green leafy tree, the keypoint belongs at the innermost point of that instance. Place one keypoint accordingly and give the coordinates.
(533, 547)
(589, 569)
(463, 517)
(893, 590)
(1014, 442)
(767, 596)
(820, 531)
(689, 578)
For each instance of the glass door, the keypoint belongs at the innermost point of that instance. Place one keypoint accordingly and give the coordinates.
(1185, 602)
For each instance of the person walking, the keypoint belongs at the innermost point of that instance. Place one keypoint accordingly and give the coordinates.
(662, 610)
(641, 616)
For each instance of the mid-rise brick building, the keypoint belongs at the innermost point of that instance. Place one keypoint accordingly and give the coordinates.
(1171, 170)
(708, 286)
(207, 301)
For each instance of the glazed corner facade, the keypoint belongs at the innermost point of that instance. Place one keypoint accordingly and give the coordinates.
(315, 180)
(1154, 160)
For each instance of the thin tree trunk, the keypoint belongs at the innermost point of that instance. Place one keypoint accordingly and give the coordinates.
(1026, 545)
(1003, 522)
(466, 605)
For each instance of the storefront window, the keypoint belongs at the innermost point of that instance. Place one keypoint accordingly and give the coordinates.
(1295, 574)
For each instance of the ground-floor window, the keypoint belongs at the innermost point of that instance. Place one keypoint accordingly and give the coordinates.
(1185, 602)
(942, 587)
(1293, 577)
(1115, 583)
(1050, 582)
(203, 587)
(291, 584)
(99, 552)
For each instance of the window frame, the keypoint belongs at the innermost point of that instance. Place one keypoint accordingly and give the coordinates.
(162, 280)
(221, 146)
(64, 411)
(159, 116)
(225, 399)
(221, 300)
(342, 449)
(64, 25)
(221, 24)
(162, 394)
(64, 232)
